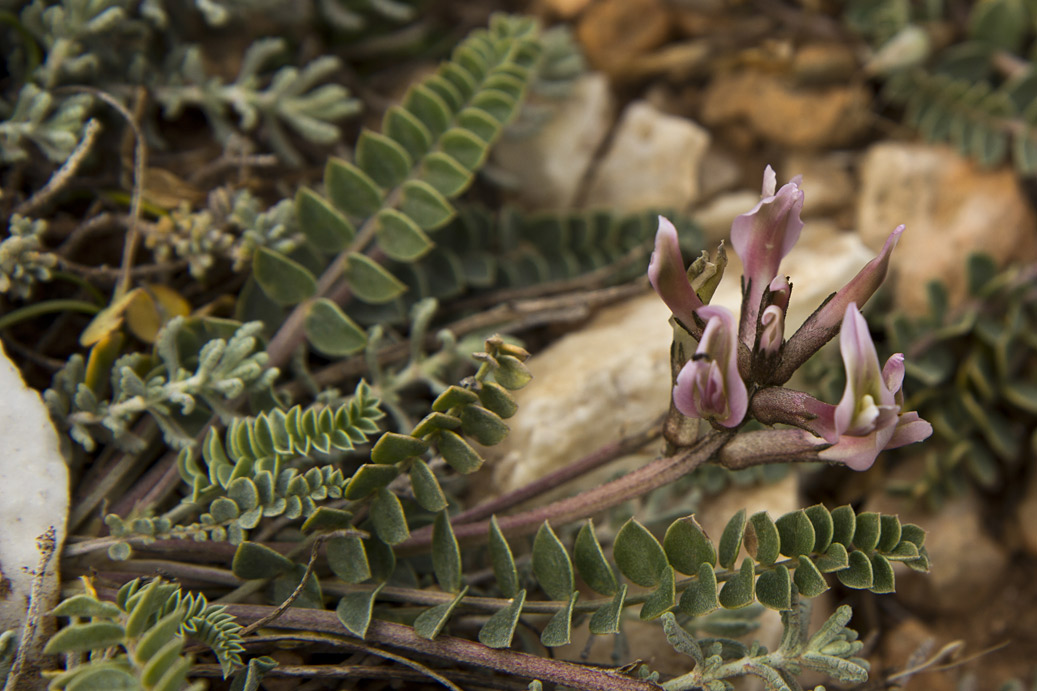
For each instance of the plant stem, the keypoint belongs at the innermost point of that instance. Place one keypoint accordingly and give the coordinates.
(459, 650)
(37, 308)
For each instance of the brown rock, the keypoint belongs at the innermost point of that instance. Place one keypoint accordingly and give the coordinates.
(614, 31)
(784, 114)
(951, 208)
(566, 9)
(828, 181)
(1027, 515)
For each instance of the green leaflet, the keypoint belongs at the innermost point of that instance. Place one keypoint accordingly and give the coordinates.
(80, 638)
(740, 590)
(386, 162)
(482, 425)
(369, 281)
(369, 478)
(700, 598)
(407, 130)
(445, 175)
(551, 564)
(253, 560)
(824, 526)
(497, 399)
(639, 555)
(808, 579)
(499, 628)
(606, 619)
(354, 610)
(387, 516)
(424, 205)
(858, 574)
(761, 538)
(392, 447)
(662, 599)
(85, 606)
(559, 628)
(458, 453)
(323, 225)
(426, 487)
(400, 236)
(284, 280)
(331, 332)
(883, 578)
(687, 546)
(844, 522)
(446, 555)
(430, 623)
(681, 640)
(502, 561)
(348, 558)
(867, 531)
(731, 540)
(774, 588)
(834, 558)
(591, 564)
(351, 190)
(797, 534)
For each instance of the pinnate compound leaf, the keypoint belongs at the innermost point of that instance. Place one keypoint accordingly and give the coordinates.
(158, 636)
(551, 564)
(884, 580)
(912, 533)
(428, 107)
(400, 237)
(835, 558)
(392, 447)
(606, 619)
(496, 398)
(159, 664)
(446, 555)
(331, 332)
(687, 546)
(682, 641)
(731, 540)
(639, 555)
(423, 204)
(79, 638)
(433, 422)
(502, 561)
(351, 190)
(426, 487)
(700, 597)
(354, 610)
(844, 523)
(740, 590)
(385, 161)
(285, 281)
(761, 538)
(464, 147)
(348, 558)
(867, 531)
(808, 578)
(322, 224)
(774, 588)
(663, 598)
(499, 628)
(458, 453)
(452, 397)
(559, 628)
(408, 131)
(889, 533)
(108, 676)
(370, 282)
(430, 623)
(387, 515)
(253, 560)
(591, 564)
(858, 574)
(797, 534)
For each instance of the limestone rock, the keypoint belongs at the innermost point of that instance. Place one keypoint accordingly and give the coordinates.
(829, 184)
(34, 478)
(654, 161)
(805, 118)
(612, 32)
(951, 208)
(715, 217)
(549, 165)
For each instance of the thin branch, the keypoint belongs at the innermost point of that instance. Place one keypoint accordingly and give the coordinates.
(63, 174)
(283, 607)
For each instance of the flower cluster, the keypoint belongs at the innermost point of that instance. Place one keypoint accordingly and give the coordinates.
(733, 363)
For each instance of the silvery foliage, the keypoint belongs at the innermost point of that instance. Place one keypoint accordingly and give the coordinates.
(23, 261)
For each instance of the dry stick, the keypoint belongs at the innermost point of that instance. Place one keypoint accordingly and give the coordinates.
(659, 472)
(455, 649)
(471, 680)
(605, 454)
(283, 607)
(63, 174)
(29, 645)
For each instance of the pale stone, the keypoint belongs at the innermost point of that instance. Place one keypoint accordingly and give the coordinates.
(715, 217)
(34, 478)
(654, 162)
(548, 166)
(612, 32)
(951, 208)
(721, 171)
(828, 181)
(567, 9)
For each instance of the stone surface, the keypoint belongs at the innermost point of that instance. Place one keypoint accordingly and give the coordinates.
(716, 216)
(968, 564)
(654, 161)
(951, 208)
(804, 118)
(612, 32)
(566, 9)
(548, 166)
(34, 478)
(829, 184)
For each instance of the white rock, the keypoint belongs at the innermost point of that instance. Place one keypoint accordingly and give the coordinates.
(548, 166)
(716, 216)
(951, 208)
(653, 162)
(34, 478)
(828, 182)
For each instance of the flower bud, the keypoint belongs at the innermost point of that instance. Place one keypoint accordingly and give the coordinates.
(709, 385)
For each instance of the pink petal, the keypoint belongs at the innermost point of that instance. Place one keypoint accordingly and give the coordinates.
(910, 429)
(667, 275)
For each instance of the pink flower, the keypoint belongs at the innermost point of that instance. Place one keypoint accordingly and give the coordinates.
(762, 238)
(667, 275)
(709, 385)
(870, 416)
